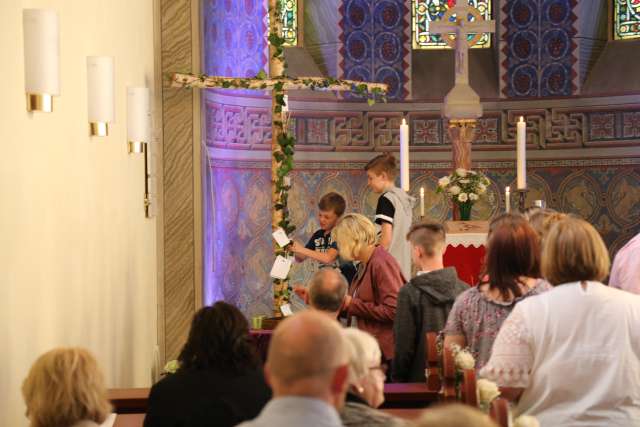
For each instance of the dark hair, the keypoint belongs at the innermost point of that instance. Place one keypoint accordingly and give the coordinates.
(219, 339)
(513, 250)
(332, 202)
(429, 236)
(383, 163)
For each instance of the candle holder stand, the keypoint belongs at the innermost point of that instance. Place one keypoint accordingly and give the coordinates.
(522, 197)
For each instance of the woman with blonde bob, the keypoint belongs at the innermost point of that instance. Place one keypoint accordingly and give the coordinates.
(371, 300)
(571, 356)
(366, 383)
(66, 388)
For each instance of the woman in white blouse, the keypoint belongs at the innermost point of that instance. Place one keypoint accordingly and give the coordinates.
(571, 356)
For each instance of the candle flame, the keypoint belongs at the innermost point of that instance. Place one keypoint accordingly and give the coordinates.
(404, 122)
(521, 120)
(507, 189)
(422, 191)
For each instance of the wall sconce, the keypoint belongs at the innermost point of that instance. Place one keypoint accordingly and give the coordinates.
(139, 133)
(41, 58)
(100, 94)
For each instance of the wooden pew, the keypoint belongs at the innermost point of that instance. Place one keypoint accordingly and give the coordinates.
(449, 376)
(129, 400)
(468, 393)
(499, 412)
(432, 361)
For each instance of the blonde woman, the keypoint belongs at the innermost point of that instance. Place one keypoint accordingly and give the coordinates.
(571, 356)
(366, 383)
(65, 388)
(371, 300)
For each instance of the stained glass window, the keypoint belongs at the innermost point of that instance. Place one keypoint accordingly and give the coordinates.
(426, 11)
(289, 14)
(626, 16)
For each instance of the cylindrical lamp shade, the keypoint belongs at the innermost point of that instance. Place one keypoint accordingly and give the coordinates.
(100, 95)
(138, 118)
(41, 58)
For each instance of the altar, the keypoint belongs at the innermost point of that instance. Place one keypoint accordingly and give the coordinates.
(466, 241)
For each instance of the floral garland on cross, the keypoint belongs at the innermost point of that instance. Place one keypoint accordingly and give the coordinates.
(283, 146)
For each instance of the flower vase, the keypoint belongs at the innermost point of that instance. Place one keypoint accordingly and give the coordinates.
(465, 210)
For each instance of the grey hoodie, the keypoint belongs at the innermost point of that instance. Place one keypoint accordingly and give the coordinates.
(399, 247)
(423, 306)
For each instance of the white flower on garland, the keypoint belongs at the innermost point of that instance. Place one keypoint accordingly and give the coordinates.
(462, 197)
(461, 172)
(473, 197)
(171, 367)
(455, 190)
(526, 421)
(444, 181)
(482, 188)
(487, 391)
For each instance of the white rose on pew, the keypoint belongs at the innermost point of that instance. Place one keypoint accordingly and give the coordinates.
(526, 421)
(462, 197)
(454, 190)
(171, 367)
(444, 181)
(464, 360)
(487, 392)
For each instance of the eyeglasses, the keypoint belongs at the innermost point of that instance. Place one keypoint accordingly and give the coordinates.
(382, 368)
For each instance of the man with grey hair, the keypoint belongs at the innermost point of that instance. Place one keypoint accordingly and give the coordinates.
(327, 290)
(307, 369)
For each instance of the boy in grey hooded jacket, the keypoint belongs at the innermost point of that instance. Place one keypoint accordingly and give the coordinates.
(424, 303)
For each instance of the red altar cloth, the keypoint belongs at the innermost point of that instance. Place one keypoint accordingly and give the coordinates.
(467, 261)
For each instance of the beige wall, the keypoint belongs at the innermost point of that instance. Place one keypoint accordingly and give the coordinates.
(77, 255)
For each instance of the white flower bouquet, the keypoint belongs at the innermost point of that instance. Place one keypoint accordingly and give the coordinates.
(464, 188)
(487, 391)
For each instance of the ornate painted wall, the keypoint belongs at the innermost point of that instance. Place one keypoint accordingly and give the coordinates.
(375, 43)
(538, 48)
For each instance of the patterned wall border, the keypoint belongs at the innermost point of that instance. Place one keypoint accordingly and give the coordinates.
(247, 128)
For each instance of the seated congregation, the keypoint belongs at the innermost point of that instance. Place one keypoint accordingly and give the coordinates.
(560, 345)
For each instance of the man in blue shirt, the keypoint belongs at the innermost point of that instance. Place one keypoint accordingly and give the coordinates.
(307, 368)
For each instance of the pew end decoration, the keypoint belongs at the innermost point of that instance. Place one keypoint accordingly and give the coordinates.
(463, 187)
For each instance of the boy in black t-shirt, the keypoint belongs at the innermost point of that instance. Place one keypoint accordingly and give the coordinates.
(321, 246)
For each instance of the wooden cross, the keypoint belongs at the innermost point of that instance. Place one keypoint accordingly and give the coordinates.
(461, 28)
(279, 84)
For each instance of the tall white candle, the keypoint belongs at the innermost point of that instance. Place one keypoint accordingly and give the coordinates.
(41, 53)
(507, 199)
(522, 154)
(404, 155)
(100, 89)
(421, 201)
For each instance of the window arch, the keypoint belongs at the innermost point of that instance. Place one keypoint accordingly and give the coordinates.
(626, 19)
(425, 11)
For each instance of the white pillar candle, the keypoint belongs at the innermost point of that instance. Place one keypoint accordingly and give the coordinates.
(521, 154)
(138, 117)
(421, 201)
(404, 155)
(507, 199)
(41, 58)
(100, 95)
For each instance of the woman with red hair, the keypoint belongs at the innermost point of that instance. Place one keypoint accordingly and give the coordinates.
(513, 273)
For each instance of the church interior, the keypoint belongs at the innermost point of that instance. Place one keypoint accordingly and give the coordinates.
(116, 234)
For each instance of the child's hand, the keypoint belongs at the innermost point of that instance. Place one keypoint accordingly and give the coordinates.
(295, 247)
(302, 292)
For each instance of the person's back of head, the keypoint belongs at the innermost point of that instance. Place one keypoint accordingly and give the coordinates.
(454, 415)
(327, 290)
(332, 202)
(428, 238)
(513, 251)
(353, 233)
(63, 387)
(543, 219)
(219, 339)
(574, 251)
(366, 376)
(308, 357)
